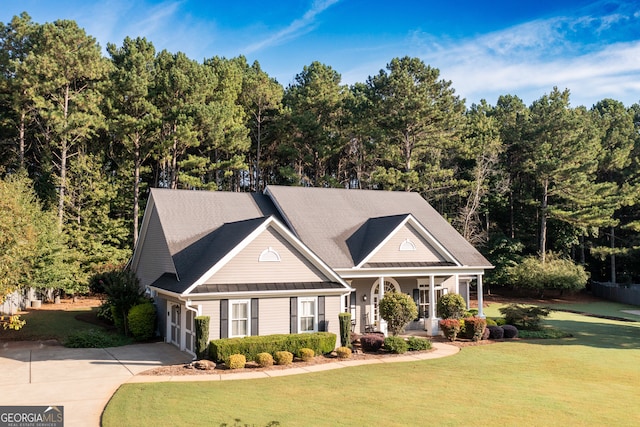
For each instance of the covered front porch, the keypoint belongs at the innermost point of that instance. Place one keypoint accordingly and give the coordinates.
(424, 287)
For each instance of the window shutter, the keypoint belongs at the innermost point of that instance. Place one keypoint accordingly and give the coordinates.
(416, 299)
(224, 318)
(322, 323)
(254, 316)
(293, 312)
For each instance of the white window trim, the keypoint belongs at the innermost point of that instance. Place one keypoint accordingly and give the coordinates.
(315, 313)
(231, 319)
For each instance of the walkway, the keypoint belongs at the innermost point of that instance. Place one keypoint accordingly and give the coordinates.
(439, 350)
(83, 380)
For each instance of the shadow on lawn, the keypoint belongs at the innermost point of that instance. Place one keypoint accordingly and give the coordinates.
(617, 335)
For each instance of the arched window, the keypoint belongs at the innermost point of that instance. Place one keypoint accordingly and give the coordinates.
(269, 255)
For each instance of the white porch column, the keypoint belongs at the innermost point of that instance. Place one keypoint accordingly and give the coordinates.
(480, 302)
(457, 282)
(382, 324)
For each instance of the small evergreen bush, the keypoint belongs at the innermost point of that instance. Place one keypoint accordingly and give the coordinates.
(371, 342)
(491, 322)
(510, 331)
(398, 310)
(396, 345)
(306, 354)
(500, 321)
(343, 352)
(495, 332)
(236, 361)
(525, 317)
(264, 360)
(201, 324)
(283, 358)
(319, 342)
(142, 321)
(345, 329)
(451, 306)
(418, 344)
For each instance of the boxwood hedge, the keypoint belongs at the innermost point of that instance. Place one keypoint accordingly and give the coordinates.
(319, 342)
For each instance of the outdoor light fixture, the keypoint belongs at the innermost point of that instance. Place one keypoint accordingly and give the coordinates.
(364, 297)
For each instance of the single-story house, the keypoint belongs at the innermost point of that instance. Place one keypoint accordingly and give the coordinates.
(290, 259)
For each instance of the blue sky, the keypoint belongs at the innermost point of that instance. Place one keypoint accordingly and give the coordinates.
(486, 49)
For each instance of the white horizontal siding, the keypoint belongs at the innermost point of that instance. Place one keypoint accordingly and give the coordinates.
(212, 309)
(274, 316)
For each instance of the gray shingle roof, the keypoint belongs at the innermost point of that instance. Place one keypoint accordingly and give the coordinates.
(187, 216)
(325, 218)
(370, 235)
(341, 226)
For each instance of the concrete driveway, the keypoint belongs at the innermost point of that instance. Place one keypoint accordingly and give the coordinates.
(81, 380)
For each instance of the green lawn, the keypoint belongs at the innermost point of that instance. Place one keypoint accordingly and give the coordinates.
(48, 324)
(590, 379)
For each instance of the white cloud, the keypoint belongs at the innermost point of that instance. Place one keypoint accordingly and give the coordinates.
(528, 60)
(295, 29)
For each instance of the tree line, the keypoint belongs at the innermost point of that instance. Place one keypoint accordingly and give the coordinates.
(83, 137)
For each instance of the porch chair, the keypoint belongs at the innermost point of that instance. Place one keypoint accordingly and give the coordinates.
(368, 327)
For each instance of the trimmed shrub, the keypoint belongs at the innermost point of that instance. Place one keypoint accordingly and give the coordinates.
(306, 354)
(491, 322)
(142, 321)
(343, 352)
(398, 310)
(510, 331)
(450, 328)
(451, 306)
(474, 327)
(371, 342)
(396, 345)
(202, 336)
(283, 357)
(418, 344)
(524, 317)
(500, 321)
(495, 332)
(236, 361)
(264, 360)
(345, 329)
(319, 342)
(485, 334)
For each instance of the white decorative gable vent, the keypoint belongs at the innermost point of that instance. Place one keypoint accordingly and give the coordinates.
(269, 255)
(407, 245)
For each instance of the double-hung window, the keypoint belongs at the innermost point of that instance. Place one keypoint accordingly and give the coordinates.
(308, 314)
(240, 321)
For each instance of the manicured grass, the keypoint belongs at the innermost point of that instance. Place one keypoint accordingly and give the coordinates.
(47, 325)
(590, 379)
